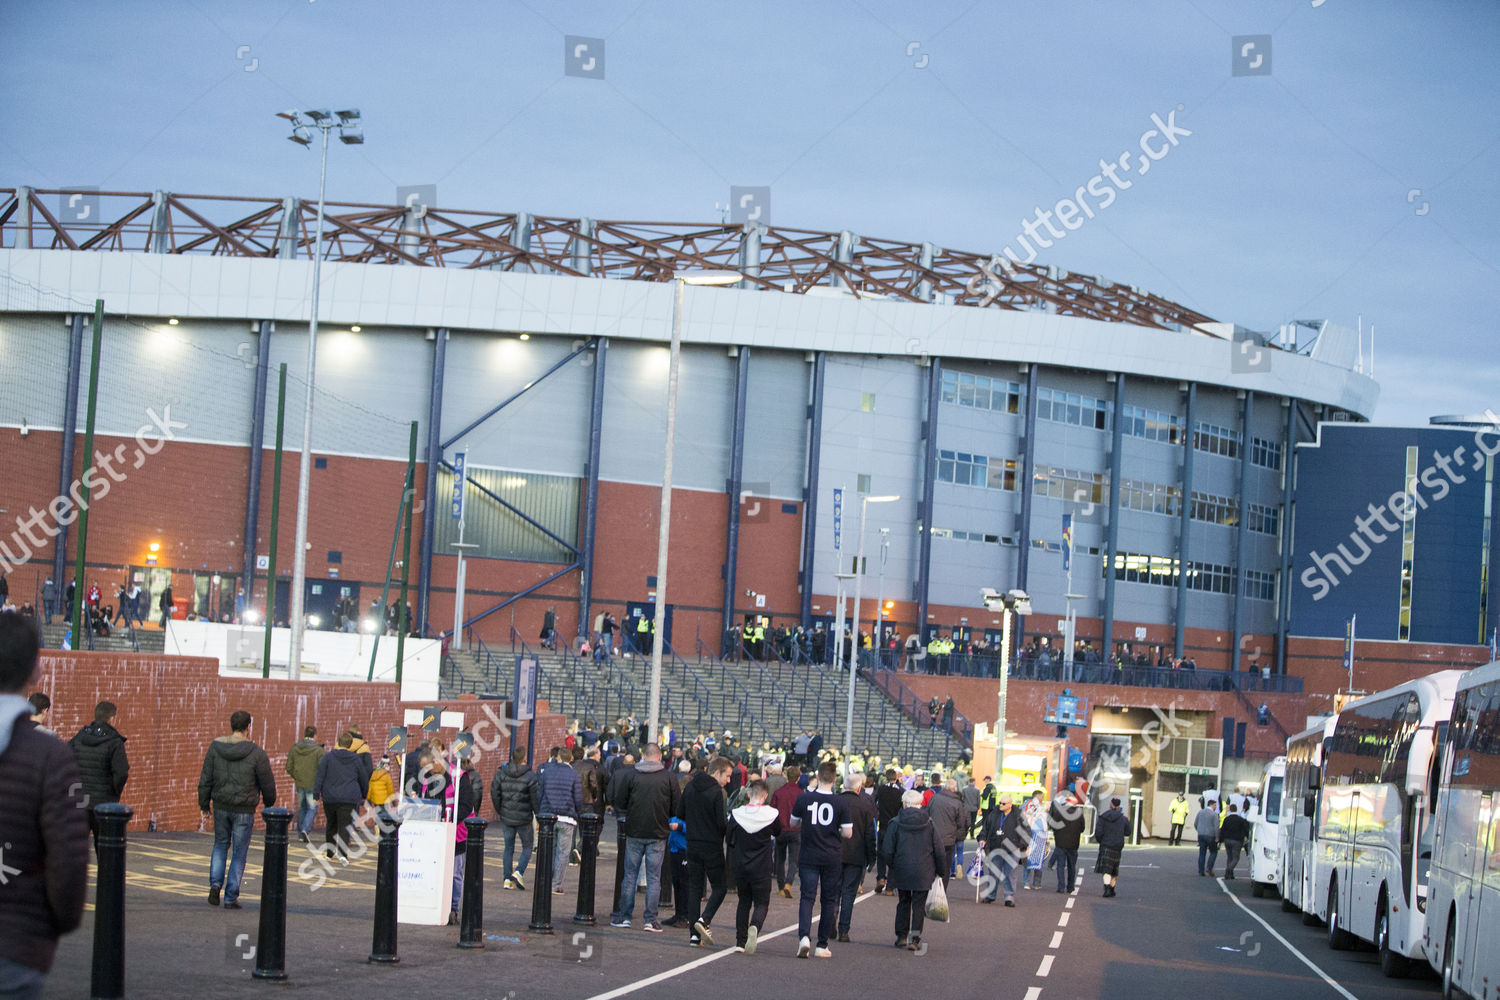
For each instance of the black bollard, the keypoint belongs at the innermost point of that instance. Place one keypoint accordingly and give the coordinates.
(383, 949)
(471, 919)
(541, 896)
(588, 826)
(270, 946)
(108, 981)
(619, 860)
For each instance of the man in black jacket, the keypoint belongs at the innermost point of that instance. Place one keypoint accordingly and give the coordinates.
(1065, 817)
(103, 767)
(948, 815)
(706, 817)
(236, 776)
(517, 797)
(1233, 833)
(341, 782)
(859, 850)
(1109, 834)
(887, 808)
(1005, 840)
(648, 796)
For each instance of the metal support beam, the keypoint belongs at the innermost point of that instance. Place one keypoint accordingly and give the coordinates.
(591, 488)
(290, 229)
(1237, 599)
(160, 241)
(513, 598)
(539, 526)
(1028, 473)
(1284, 578)
(23, 242)
(929, 477)
(735, 486)
(1184, 519)
(924, 261)
(513, 397)
(1112, 534)
(433, 458)
(581, 247)
(750, 252)
(69, 433)
(843, 253)
(810, 492)
(257, 453)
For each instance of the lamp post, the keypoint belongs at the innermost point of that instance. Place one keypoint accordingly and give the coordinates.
(681, 278)
(879, 641)
(859, 579)
(303, 122)
(1011, 602)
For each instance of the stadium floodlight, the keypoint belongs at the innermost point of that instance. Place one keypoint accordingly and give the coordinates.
(859, 581)
(691, 276)
(303, 122)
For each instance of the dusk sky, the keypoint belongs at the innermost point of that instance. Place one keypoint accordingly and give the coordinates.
(1353, 182)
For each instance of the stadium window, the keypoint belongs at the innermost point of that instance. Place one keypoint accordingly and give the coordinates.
(867, 402)
(1217, 440)
(862, 483)
(981, 392)
(1265, 453)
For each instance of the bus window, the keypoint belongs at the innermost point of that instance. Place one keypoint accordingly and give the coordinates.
(1270, 797)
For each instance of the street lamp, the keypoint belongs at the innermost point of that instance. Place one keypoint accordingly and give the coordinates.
(859, 580)
(1011, 602)
(694, 276)
(879, 641)
(303, 124)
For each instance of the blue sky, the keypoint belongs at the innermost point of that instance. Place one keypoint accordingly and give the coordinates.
(1355, 180)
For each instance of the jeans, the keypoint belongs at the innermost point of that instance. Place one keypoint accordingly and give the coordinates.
(641, 852)
(754, 892)
(853, 875)
(526, 833)
(460, 856)
(229, 828)
(827, 877)
(1232, 850)
(911, 910)
(307, 809)
(562, 849)
(1066, 860)
(704, 868)
(1005, 866)
(21, 981)
(788, 845)
(1208, 847)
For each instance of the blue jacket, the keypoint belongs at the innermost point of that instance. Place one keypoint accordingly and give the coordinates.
(343, 777)
(562, 791)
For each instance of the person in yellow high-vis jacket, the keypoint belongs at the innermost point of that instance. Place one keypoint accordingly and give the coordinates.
(1180, 810)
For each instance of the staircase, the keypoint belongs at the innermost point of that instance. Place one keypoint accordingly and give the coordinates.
(121, 640)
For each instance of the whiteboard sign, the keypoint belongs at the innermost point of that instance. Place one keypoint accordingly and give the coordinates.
(424, 885)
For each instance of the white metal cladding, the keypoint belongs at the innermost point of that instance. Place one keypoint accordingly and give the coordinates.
(635, 414)
(776, 423)
(246, 288)
(34, 370)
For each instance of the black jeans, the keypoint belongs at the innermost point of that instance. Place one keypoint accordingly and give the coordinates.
(787, 847)
(911, 910)
(754, 891)
(847, 894)
(1175, 837)
(880, 867)
(820, 881)
(338, 817)
(1066, 859)
(702, 868)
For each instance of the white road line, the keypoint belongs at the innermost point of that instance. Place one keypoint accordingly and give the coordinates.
(1062, 919)
(1045, 968)
(1033, 992)
(1057, 937)
(662, 977)
(1287, 944)
(1068, 903)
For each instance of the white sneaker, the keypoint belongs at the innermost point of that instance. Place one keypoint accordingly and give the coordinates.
(751, 938)
(516, 878)
(821, 952)
(804, 948)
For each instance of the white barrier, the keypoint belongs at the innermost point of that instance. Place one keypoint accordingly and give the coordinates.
(326, 656)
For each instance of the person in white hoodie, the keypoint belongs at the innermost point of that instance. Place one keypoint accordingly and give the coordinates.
(752, 847)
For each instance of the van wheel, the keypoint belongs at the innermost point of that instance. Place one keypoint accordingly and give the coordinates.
(1393, 964)
(1450, 991)
(1338, 938)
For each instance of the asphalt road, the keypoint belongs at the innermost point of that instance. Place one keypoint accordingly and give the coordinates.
(1168, 934)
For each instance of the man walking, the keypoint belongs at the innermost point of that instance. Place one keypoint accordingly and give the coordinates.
(236, 776)
(789, 839)
(1180, 809)
(1006, 838)
(42, 825)
(947, 811)
(970, 795)
(302, 764)
(1109, 834)
(1206, 825)
(561, 796)
(517, 797)
(102, 765)
(914, 856)
(825, 822)
(706, 818)
(1065, 816)
(649, 797)
(1233, 834)
(887, 808)
(859, 850)
(341, 781)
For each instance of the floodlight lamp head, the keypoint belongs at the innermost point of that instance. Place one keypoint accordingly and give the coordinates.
(349, 116)
(352, 136)
(319, 114)
(289, 115)
(301, 136)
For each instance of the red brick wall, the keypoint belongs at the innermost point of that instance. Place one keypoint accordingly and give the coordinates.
(1377, 665)
(171, 708)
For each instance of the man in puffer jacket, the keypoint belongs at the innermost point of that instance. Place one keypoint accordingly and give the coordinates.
(914, 857)
(103, 768)
(342, 782)
(562, 796)
(236, 777)
(517, 797)
(302, 764)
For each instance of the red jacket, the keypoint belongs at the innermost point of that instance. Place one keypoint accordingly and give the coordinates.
(782, 801)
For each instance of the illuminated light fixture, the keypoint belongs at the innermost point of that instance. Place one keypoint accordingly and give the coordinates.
(314, 621)
(355, 328)
(154, 546)
(251, 616)
(369, 626)
(525, 336)
(172, 321)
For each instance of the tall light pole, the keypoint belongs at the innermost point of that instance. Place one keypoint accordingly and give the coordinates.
(1012, 602)
(879, 641)
(859, 580)
(303, 123)
(680, 279)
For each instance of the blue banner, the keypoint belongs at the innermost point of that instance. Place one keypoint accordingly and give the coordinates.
(460, 460)
(1067, 541)
(838, 517)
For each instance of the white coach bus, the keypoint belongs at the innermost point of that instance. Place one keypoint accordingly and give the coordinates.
(1374, 831)
(1299, 819)
(1462, 936)
(1265, 836)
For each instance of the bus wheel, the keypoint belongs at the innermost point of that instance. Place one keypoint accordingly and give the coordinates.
(1257, 889)
(1338, 938)
(1450, 990)
(1393, 964)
